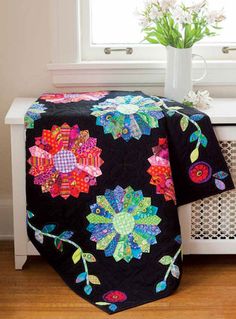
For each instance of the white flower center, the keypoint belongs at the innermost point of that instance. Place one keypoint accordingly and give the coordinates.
(127, 108)
(64, 161)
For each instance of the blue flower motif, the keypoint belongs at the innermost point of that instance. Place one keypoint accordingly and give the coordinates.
(128, 116)
(123, 223)
(33, 114)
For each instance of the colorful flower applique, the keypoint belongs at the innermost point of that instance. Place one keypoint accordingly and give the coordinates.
(73, 97)
(173, 269)
(111, 298)
(201, 172)
(34, 114)
(78, 255)
(65, 161)
(160, 170)
(128, 116)
(123, 223)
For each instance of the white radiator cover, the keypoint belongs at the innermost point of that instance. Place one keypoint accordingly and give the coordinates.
(215, 217)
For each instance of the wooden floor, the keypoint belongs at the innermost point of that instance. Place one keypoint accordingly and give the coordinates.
(207, 291)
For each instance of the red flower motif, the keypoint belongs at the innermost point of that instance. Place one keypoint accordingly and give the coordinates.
(160, 170)
(65, 161)
(200, 172)
(114, 296)
(73, 97)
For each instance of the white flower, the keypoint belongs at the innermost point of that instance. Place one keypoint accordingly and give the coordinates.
(200, 99)
(196, 7)
(144, 22)
(167, 4)
(181, 16)
(155, 13)
(204, 99)
(216, 16)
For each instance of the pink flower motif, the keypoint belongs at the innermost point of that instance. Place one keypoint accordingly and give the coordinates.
(65, 161)
(73, 97)
(160, 170)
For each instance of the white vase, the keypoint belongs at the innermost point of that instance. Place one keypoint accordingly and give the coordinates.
(179, 79)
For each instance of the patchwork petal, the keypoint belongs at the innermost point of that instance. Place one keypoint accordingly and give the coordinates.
(123, 223)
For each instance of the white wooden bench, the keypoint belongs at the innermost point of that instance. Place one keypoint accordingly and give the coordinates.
(208, 226)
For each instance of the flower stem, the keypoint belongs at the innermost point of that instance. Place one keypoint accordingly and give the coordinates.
(171, 264)
(66, 241)
(190, 120)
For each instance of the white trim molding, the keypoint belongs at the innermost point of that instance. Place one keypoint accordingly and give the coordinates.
(117, 74)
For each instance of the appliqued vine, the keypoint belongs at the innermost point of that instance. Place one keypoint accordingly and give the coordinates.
(197, 136)
(78, 255)
(172, 269)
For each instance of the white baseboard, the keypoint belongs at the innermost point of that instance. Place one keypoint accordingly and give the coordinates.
(6, 218)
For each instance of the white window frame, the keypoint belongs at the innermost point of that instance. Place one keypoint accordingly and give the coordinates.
(73, 63)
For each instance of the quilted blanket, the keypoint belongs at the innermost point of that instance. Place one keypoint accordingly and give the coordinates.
(105, 174)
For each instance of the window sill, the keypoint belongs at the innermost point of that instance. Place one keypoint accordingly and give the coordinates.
(126, 74)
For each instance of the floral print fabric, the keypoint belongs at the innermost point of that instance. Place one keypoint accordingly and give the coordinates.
(105, 172)
(160, 170)
(128, 116)
(72, 97)
(123, 223)
(65, 161)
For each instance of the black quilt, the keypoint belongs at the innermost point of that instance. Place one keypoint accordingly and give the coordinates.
(106, 172)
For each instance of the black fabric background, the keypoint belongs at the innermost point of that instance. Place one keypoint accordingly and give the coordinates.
(125, 164)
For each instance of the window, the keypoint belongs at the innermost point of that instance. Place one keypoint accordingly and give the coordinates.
(82, 29)
(113, 23)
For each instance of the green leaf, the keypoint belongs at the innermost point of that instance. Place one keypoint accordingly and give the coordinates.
(94, 280)
(30, 214)
(184, 122)
(58, 244)
(161, 286)
(77, 255)
(194, 136)
(171, 113)
(175, 108)
(194, 155)
(203, 140)
(102, 303)
(166, 260)
(89, 257)
(48, 228)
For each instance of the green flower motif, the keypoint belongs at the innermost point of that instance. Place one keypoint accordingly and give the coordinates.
(123, 223)
(128, 116)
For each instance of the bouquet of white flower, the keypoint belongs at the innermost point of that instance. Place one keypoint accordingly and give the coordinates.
(173, 23)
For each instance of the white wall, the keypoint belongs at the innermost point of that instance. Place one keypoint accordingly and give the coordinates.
(24, 53)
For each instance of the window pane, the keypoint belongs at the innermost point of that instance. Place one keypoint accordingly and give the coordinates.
(115, 21)
(228, 31)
